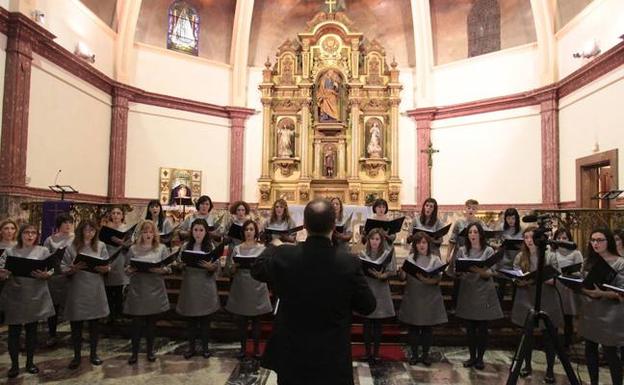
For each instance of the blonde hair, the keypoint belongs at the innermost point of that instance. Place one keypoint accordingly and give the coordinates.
(523, 257)
(10, 222)
(155, 240)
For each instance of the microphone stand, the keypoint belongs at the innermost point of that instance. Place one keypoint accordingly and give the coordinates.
(535, 316)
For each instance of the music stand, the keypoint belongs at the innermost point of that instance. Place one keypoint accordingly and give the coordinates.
(183, 201)
(63, 189)
(607, 195)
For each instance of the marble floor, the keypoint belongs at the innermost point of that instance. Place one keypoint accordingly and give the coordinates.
(224, 369)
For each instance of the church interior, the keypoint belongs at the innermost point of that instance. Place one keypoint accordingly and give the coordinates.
(115, 103)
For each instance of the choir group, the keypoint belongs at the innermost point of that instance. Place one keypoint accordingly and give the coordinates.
(97, 272)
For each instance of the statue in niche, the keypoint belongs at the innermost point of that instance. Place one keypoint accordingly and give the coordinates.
(373, 71)
(328, 97)
(285, 138)
(374, 148)
(329, 161)
(287, 71)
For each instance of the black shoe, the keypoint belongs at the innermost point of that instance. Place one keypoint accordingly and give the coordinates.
(526, 371)
(257, 356)
(13, 372)
(469, 363)
(241, 354)
(133, 359)
(425, 360)
(95, 360)
(74, 364)
(32, 369)
(206, 353)
(151, 356)
(414, 360)
(479, 365)
(189, 354)
(549, 378)
(375, 360)
(52, 341)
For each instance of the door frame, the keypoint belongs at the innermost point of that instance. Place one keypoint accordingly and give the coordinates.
(601, 159)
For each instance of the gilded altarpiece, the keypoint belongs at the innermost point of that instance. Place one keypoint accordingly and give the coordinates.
(330, 117)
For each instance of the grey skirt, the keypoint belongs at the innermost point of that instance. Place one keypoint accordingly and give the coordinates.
(198, 294)
(86, 297)
(601, 321)
(525, 299)
(422, 304)
(383, 296)
(248, 297)
(146, 295)
(117, 275)
(25, 300)
(477, 299)
(57, 284)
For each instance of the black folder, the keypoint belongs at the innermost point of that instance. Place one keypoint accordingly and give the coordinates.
(433, 234)
(236, 232)
(23, 267)
(193, 258)
(463, 265)
(413, 269)
(571, 269)
(378, 265)
(92, 262)
(549, 273)
(616, 289)
(574, 283)
(270, 231)
(107, 234)
(143, 267)
(512, 243)
(244, 262)
(340, 229)
(599, 274)
(390, 227)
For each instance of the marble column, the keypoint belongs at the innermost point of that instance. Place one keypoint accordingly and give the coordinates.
(549, 111)
(21, 35)
(238, 116)
(118, 144)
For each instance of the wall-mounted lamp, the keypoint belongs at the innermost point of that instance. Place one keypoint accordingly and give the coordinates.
(38, 16)
(590, 50)
(84, 52)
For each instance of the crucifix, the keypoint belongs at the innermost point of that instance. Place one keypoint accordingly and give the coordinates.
(330, 4)
(429, 151)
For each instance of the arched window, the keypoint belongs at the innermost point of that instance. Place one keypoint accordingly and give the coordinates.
(183, 31)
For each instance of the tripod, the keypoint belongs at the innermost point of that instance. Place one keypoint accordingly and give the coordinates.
(535, 316)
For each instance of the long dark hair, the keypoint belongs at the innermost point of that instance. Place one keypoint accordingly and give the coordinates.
(511, 212)
(419, 236)
(434, 214)
(24, 227)
(525, 253)
(206, 245)
(256, 228)
(161, 214)
(79, 240)
(286, 216)
(591, 256)
(482, 243)
(341, 214)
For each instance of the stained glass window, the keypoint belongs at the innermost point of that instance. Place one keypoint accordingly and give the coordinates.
(183, 31)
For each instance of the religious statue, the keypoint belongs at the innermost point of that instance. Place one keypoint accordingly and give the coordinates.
(328, 97)
(183, 30)
(329, 162)
(285, 135)
(374, 148)
(181, 195)
(287, 71)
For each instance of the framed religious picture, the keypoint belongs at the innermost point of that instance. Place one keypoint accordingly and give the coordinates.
(179, 186)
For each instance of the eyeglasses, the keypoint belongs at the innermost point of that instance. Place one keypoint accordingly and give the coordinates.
(597, 240)
(29, 232)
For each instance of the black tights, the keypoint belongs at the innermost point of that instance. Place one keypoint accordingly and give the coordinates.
(198, 327)
(242, 323)
(372, 335)
(114, 295)
(13, 344)
(53, 322)
(76, 335)
(549, 351)
(611, 355)
(477, 339)
(420, 336)
(146, 323)
(568, 330)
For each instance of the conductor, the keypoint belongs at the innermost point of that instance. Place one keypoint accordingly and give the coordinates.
(318, 286)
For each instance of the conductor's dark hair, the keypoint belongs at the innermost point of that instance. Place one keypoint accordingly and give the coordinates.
(203, 199)
(62, 218)
(380, 202)
(319, 216)
(511, 212)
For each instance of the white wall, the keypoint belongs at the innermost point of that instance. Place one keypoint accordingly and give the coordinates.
(69, 129)
(602, 20)
(494, 74)
(493, 157)
(407, 140)
(252, 158)
(71, 22)
(161, 137)
(589, 116)
(177, 74)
